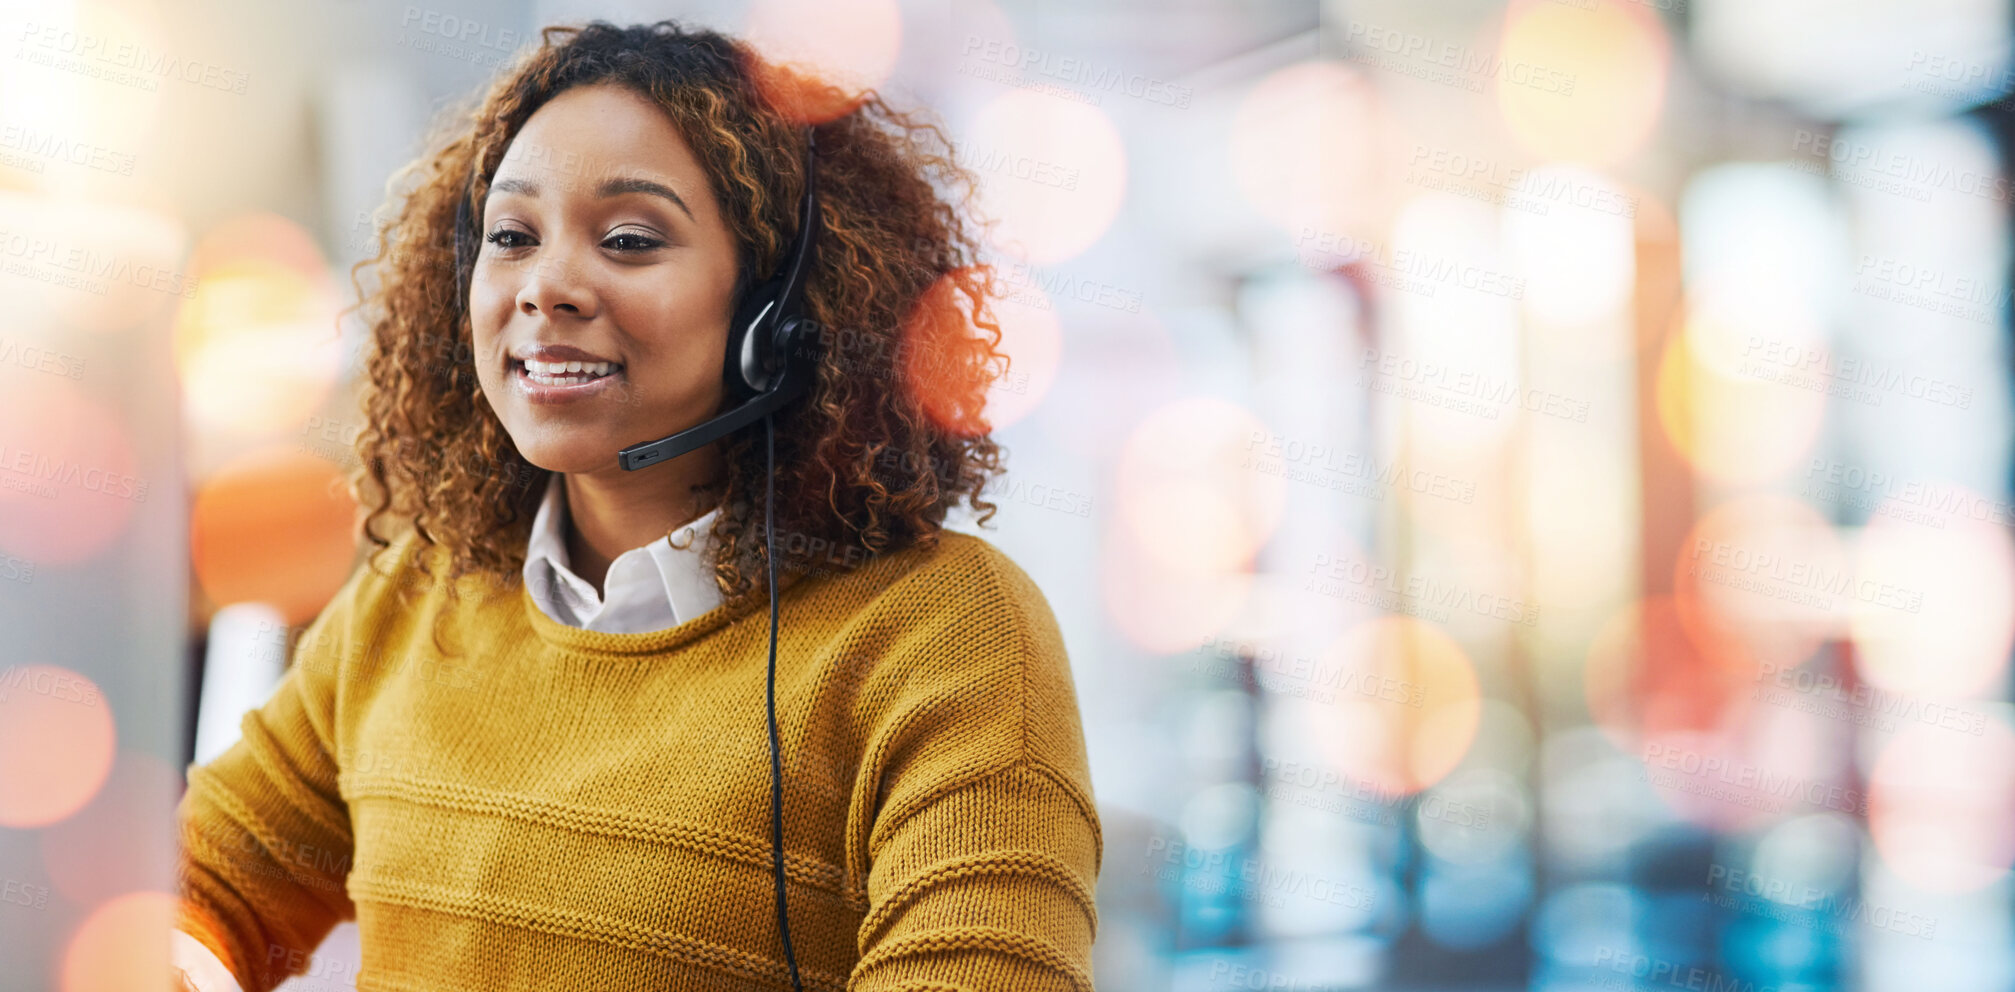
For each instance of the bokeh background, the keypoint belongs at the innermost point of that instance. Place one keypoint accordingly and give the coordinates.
(1525, 486)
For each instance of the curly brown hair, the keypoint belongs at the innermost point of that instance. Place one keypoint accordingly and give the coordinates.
(891, 434)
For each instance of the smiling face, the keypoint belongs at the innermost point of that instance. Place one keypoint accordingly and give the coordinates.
(600, 234)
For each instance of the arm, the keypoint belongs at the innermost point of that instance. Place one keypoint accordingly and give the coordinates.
(983, 855)
(265, 835)
(987, 885)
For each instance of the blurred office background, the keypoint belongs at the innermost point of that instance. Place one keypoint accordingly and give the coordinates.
(1525, 485)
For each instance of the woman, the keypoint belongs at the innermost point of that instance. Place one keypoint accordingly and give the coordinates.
(537, 749)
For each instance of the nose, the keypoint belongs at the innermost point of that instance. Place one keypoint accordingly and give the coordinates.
(556, 286)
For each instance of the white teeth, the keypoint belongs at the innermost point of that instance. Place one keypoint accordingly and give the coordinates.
(591, 370)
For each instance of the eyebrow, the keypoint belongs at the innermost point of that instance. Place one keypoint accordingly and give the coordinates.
(616, 186)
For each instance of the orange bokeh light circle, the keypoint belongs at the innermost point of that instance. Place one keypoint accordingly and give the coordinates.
(1650, 674)
(1407, 704)
(57, 741)
(122, 945)
(1200, 484)
(1584, 84)
(824, 55)
(277, 525)
(1768, 571)
(1942, 806)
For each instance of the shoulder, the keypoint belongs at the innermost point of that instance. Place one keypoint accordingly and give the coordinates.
(958, 629)
(393, 575)
(966, 568)
(391, 585)
(958, 583)
(362, 600)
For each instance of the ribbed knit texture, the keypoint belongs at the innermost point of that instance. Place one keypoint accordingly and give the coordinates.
(547, 807)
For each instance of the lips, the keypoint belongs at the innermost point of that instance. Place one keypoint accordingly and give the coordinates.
(574, 381)
(565, 373)
(556, 365)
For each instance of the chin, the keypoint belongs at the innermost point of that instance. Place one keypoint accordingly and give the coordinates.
(567, 455)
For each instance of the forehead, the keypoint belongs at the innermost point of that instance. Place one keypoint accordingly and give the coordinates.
(590, 133)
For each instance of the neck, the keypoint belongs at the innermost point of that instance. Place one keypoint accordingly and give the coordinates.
(612, 510)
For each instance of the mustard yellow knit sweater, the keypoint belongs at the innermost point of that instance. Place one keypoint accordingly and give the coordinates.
(547, 807)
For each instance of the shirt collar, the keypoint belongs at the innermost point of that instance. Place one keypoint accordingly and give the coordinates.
(648, 588)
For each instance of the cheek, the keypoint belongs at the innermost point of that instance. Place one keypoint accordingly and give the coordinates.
(490, 303)
(680, 364)
(683, 330)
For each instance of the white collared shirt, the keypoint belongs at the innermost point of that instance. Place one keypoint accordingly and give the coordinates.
(654, 587)
(660, 585)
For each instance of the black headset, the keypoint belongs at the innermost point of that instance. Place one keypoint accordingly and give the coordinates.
(771, 353)
(771, 359)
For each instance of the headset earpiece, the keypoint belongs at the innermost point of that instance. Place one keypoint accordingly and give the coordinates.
(749, 348)
(752, 356)
(757, 337)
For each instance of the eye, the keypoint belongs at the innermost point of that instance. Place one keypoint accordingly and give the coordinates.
(504, 238)
(628, 242)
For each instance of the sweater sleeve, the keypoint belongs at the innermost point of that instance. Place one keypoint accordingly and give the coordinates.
(265, 840)
(985, 851)
(987, 887)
